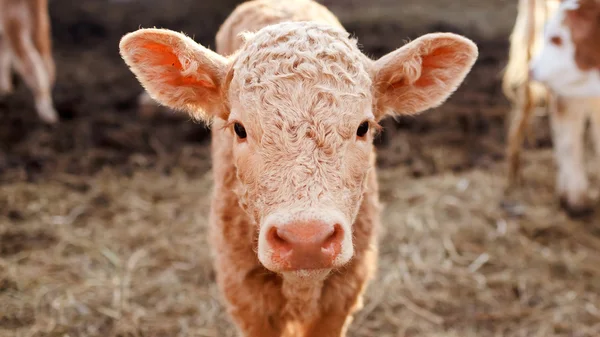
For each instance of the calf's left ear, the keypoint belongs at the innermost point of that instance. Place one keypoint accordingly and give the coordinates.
(422, 74)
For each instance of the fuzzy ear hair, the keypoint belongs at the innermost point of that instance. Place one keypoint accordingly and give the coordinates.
(422, 74)
(176, 71)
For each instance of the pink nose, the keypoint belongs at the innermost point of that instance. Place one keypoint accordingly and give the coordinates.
(531, 74)
(305, 245)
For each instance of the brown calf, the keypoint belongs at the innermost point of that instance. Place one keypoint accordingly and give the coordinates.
(294, 104)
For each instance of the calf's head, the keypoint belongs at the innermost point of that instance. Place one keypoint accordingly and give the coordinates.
(569, 60)
(300, 103)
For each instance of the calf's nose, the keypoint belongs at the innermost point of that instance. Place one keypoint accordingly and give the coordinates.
(305, 245)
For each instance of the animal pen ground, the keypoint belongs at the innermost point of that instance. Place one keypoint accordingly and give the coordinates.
(103, 217)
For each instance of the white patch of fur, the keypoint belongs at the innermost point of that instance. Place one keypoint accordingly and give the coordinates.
(569, 4)
(555, 65)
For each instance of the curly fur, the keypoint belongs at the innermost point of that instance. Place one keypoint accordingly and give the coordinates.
(300, 86)
(251, 16)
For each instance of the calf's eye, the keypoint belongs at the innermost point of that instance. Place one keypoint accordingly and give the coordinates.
(556, 40)
(239, 130)
(362, 130)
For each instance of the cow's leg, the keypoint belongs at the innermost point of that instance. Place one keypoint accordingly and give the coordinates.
(521, 117)
(254, 327)
(333, 324)
(6, 85)
(249, 310)
(42, 39)
(343, 294)
(32, 69)
(595, 124)
(568, 125)
(253, 300)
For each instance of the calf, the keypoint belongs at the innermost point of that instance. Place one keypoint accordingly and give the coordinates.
(569, 60)
(294, 105)
(26, 44)
(567, 63)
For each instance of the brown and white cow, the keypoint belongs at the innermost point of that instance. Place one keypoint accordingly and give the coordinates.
(566, 61)
(26, 44)
(569, 59)
(293, 106)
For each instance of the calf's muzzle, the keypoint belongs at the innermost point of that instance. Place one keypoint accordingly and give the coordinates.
(305, 245)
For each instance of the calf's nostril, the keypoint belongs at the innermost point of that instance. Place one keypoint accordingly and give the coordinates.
(333, 235)
(277, 236)
(332, 244)
(278, 240)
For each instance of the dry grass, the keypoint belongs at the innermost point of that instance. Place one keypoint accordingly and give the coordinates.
(117, 255)
(128, 256)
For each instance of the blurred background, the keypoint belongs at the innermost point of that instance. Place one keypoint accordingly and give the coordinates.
(103, 216)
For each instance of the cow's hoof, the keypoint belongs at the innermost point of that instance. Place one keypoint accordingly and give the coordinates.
(577, 209)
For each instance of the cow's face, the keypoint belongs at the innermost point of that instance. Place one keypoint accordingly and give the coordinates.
(302, 119)
(301, 103)
(569, 60)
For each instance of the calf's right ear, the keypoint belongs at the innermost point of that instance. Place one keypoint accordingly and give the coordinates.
(176, 71)
(422, 74)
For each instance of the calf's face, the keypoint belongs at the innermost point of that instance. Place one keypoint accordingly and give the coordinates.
(569, 60)
(300, 103)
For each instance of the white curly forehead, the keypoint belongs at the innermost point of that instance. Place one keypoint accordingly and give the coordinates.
(315, 58)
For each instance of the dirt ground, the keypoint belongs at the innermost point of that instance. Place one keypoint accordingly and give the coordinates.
(103, 218)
